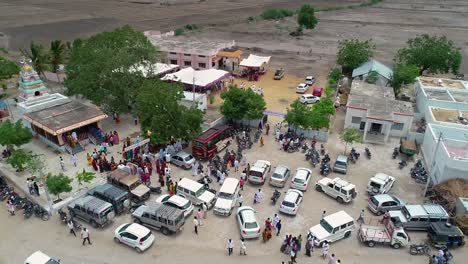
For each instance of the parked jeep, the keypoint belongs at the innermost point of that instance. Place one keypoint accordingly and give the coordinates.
(113, 195)
(95, 211)
(341, 190)
(160, 217)
(130, 183)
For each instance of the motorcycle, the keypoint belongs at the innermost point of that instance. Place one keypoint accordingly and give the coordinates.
(326, 159)
(395, 153)
(368, 153)
(63, 216)
(419, 249)
(28, 210)
(275, 196)
(355, 153)
(325, 169)
(402, 164)
(352, 158)
(40, 212)
(304, 148)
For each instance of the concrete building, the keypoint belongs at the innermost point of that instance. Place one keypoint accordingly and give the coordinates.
(374, 110)
(384, 73)
(448, 159)
(194, 53)
(442, 93)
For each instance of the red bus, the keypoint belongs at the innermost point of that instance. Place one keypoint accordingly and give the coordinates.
(207, 144)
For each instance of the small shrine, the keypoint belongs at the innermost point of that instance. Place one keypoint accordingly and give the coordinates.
(29, 83)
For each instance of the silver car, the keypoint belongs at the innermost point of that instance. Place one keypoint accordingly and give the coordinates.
(183, 159)
(341, 164)
(280, 176)
(380, 203)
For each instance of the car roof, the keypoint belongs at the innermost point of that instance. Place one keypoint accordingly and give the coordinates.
(182, 154)
(229, 185)
(108, 190)
(91, 203)
(291, 195)
(259, 165)
(248, 213)
(179, 200)
(338, 218)
(343, 184)
(384, 198)
(301, 173)
(190, 184)
(447, 229)
(381, 178)
(37, 257)
(426, 209)
(308, 95)
(310, 76)
(281, 169)
(342, 158)
(301, 84)
(137, 230)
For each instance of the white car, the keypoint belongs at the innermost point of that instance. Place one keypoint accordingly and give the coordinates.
(309, 80)
(292, 200)
(302, 88)
(183, 159)
(309, 99)
(259, 172)
(39, 257)
(332, 228)
(280, 176)
(300, 181)
(134, 235)
(341, 190)
(381, 183)
(176, 201)
(249, 227)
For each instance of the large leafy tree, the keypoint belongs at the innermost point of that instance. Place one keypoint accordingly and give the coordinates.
(255, 105)
(160, 112)
(432, 54)
(19, 158)
(403, 74)
(349, 136)
(306, 17)
(298, 115)
(7, 68)
(14, 134)
(57, 184)
(38, 55)
(99, 68)
(239, 104)
(354, 52)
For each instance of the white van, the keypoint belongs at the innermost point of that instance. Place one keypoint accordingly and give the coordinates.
(195, 192)
(419, 216)
(39, 257)
(332, 228)
(227, 197)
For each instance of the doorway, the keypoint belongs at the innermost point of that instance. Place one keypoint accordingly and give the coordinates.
(376, 128)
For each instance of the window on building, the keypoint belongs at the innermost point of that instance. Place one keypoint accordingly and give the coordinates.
(187, 63)
(201, 56)
(397, 126)
(173, 61)
(213, 64)
(202, 65)
(356, 120)
(173, 53)
(188, 55)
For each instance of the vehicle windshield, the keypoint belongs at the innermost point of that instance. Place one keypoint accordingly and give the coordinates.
(256, 173)
(340, 163)
(326, 226)
(104, 213)
(200, 192)
(189, 157)
(187, 205)
(179, 218)
(287, 204)
(134, 185)
(123, 228)
(146, 237)
(52, 261)
(225, 195)
(374, 201)
(277, 176)
(297, 180)
(406, 213)
(251, 225)
(375, 185)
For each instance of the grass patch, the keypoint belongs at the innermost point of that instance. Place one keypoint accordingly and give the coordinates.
(276, 14)
(335, 8)
(182, 30)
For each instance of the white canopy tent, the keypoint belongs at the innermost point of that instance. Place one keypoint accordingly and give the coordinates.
(155, 69)
(255, 61)
(202, 78)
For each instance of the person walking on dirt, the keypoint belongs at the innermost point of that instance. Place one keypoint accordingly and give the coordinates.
(262, 142)
(243, 248)
(230, 246)
(267, 127)
(278, 227)
(36, 188)
(240, 199)
(200, 217)
(85, 236)
(71, 227)
(361, 217)
(195, 223)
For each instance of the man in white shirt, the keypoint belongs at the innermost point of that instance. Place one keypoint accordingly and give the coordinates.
(243, 248)
(85, 236)
(230, 246)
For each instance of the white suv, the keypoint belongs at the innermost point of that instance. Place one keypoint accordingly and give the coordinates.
(259, 171)
(176, 201)
(134, 235)
(381, 183)
(309, 99)
(302, 88)
(292, 200)
(332, 228)
(341, 190)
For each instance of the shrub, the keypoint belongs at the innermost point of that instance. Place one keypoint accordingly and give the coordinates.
(179, 31)
(276, 14)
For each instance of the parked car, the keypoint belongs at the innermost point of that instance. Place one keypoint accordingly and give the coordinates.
(249, 227)
(168, 220)
(134, 235)
(302, 88)
(292, 200)
(419, 217)
(380, 183)
(301, 179)
(333, 228)
(259, 172)
(308, 99)
(183, 160)
(195, 192)
(317, 91)
(119, 198)
(341, 190)
(380, 203)
(445, 235)
(385, 233)
(279, 74)
(39, 257)
(280, 176)
(176, 201)
(227, 197)
(130, 183)
(95, 211)
(341, 164)
(309, 80)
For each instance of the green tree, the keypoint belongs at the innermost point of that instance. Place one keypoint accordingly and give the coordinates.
(403, 74)
(299, 115)
(85, 176)
(255, 105)
(306, 17)
(99, 68)
(432, 54)
(353, 52)
(234, 106)
(372, 77)
(35, 165)
(38, 56)
(57, 53)
(14, 134)
(18, 159)
(321, 111)
(334, 75)
(7, 68)
(349, 136)
(160, 112)
(57, 184)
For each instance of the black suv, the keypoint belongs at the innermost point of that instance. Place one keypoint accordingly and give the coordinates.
(117, 197)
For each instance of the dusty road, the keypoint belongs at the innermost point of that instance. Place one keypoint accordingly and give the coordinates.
(22, 237)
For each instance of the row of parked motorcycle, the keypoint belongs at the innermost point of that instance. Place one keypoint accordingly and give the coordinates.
(7, 193)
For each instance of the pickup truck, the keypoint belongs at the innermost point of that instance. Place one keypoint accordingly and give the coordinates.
(378, 231)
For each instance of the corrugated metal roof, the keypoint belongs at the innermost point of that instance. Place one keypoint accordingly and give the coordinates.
(373, 65)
